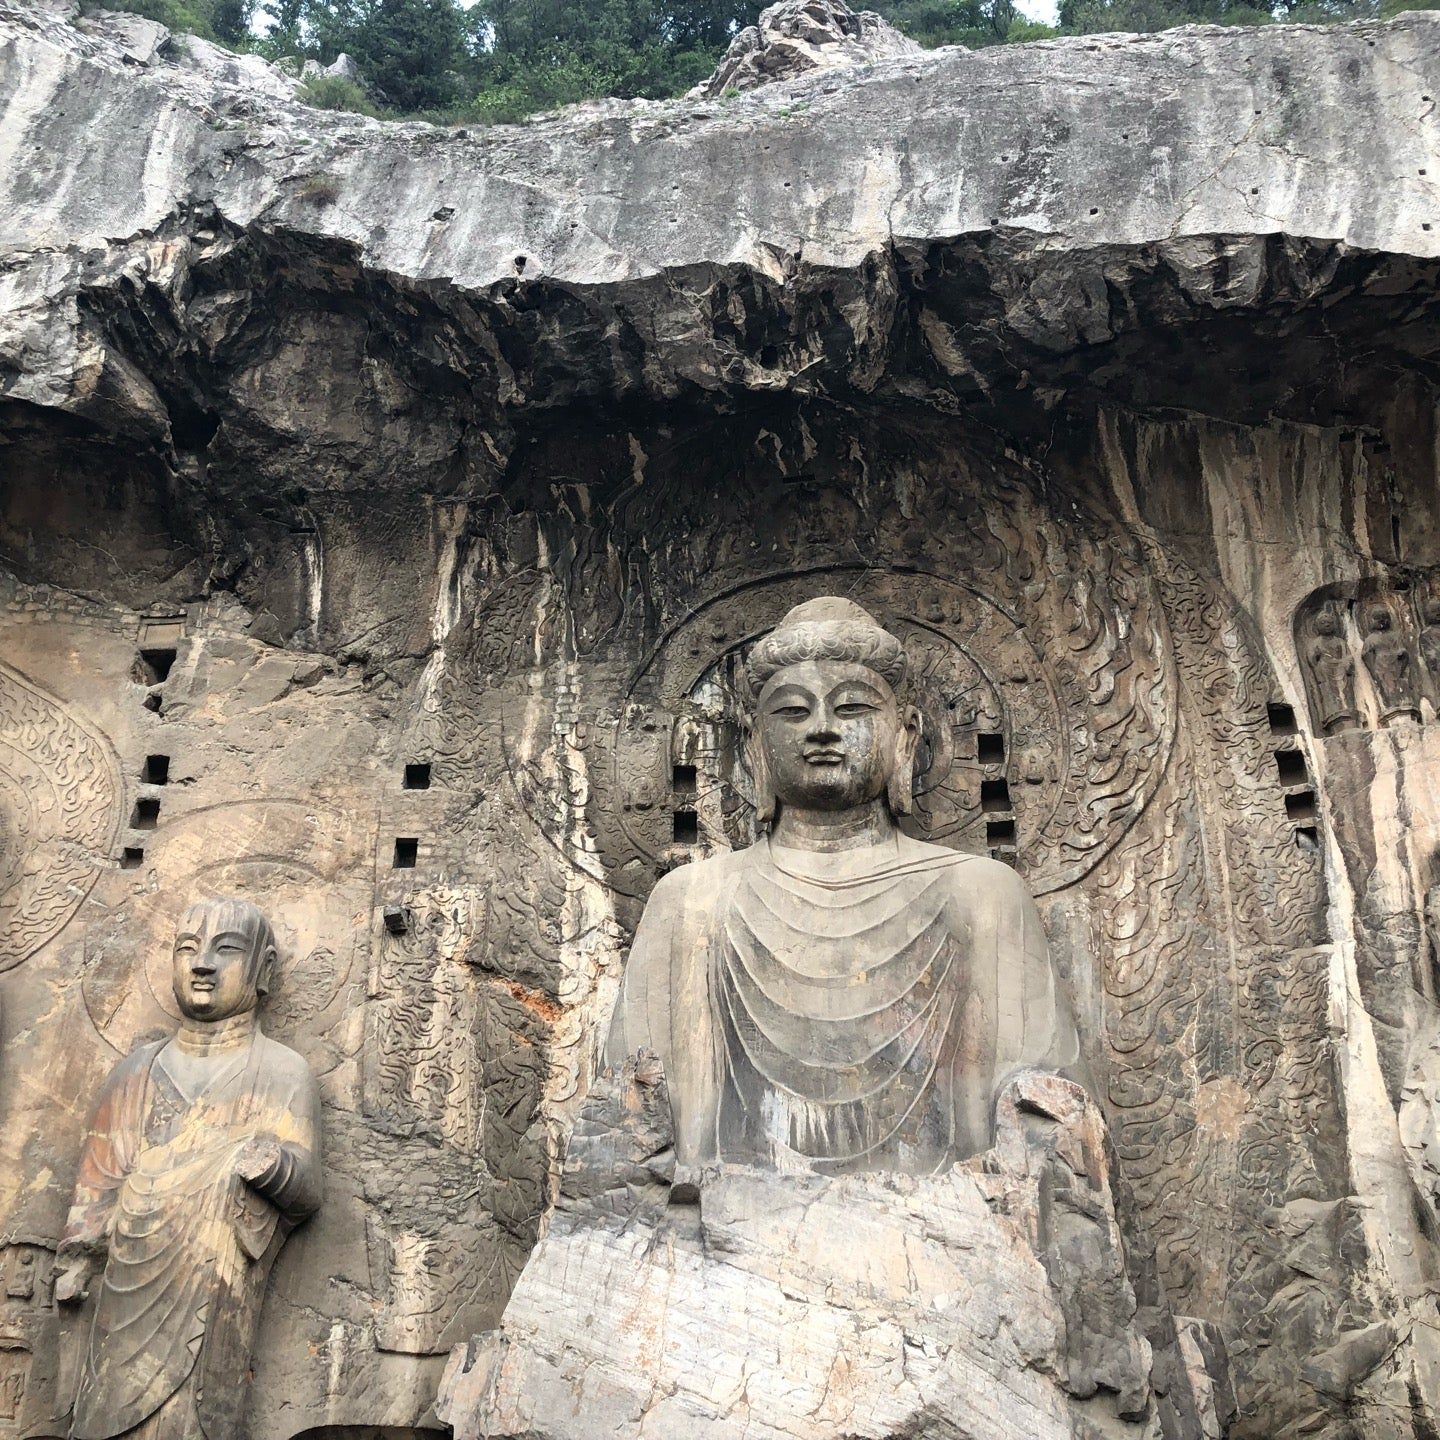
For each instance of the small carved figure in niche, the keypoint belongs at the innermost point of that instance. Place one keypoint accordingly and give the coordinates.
(203, 1154)
(1430, 643)
(1432, 925)
(1332, 670)
(839, 996)
(1387, 658)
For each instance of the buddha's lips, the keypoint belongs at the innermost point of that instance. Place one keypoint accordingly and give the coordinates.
(824, 757)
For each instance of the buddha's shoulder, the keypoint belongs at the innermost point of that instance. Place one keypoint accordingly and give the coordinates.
(699, 881)
(973, 877)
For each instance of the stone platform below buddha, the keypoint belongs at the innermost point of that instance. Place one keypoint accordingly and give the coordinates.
(989, 1302)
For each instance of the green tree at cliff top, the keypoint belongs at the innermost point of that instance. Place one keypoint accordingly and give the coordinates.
(504, 59)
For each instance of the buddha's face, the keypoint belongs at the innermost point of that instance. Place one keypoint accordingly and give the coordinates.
(828, 731)
(215, 967)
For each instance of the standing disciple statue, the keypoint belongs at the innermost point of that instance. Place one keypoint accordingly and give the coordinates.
(838, 997)
(1392, 670)
(1332, 669)
(203, 1155)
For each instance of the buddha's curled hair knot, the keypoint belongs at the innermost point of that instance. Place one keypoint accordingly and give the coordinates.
(827, 628)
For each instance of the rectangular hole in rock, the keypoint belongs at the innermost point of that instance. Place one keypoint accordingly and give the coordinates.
(687, 827)
(1000, 834)
(1307, 838)
(407, 851)
(1301, 806)
(152, 667)
(146, 816)
(417, 775)
(990, 749)
(132, 857)
(683, 782)
(1292, 768)
(1282, 719)
(157, 770)
(152, 702)
(994, 796)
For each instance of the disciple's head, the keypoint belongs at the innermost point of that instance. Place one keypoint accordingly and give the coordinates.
(1381, 619)
(829, 731)
(224, 952)
(1327, 622)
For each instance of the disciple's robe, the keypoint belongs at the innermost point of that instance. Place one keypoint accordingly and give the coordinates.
(847, 1012)
(189, 1244)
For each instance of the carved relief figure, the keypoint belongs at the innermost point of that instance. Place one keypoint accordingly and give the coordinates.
(1332, 671)
(838, 996)
(1430, 642)
(1387, 658)
(202, 1156)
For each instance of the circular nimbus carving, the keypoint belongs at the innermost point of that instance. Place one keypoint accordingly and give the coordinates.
(1044, 733)
(984, 699)
(60, 810)
(298, 879)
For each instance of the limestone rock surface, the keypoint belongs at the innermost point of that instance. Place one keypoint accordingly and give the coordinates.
(986, 1303)
(795, 37)
(385, 513)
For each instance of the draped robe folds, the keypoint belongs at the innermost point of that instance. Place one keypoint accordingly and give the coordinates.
(188, 1243)
(841, 1012)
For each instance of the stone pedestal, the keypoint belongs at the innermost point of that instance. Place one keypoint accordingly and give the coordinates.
(989, 1302)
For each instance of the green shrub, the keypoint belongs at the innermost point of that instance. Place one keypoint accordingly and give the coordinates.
(335, 92)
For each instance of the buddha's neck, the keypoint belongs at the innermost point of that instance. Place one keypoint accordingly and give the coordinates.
(829, 831)
(210, 1037)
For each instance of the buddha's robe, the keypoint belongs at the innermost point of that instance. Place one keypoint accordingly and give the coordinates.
(189, 1244)
(841, 1012)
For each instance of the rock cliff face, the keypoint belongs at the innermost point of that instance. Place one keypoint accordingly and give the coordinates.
(385, 509)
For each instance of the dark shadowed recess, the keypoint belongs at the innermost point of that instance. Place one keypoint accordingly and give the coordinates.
(290, 391)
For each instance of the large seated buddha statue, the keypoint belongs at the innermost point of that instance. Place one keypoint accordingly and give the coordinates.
(839, 995)
(842, 1175)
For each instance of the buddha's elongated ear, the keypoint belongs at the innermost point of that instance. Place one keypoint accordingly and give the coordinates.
(900, 789)
(759, 769)
(265, 975)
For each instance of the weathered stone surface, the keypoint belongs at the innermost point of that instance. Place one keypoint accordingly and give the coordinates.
(1083, 376)
(796, 37)
(988, 1301)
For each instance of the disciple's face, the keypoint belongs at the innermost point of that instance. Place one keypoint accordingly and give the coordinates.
(215, 965)
(1327, 623)
(828, 731)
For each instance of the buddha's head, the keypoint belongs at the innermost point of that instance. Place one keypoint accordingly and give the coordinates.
(224, 953)
(829, 732)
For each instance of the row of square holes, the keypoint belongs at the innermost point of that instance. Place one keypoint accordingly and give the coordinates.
(1000, 831)
(994, 800)
(146, 815)
(152, 667)
(1290, 766)
(416, 776)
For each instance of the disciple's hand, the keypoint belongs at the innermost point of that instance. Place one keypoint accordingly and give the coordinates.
(258, 1157)
(72, 1281)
